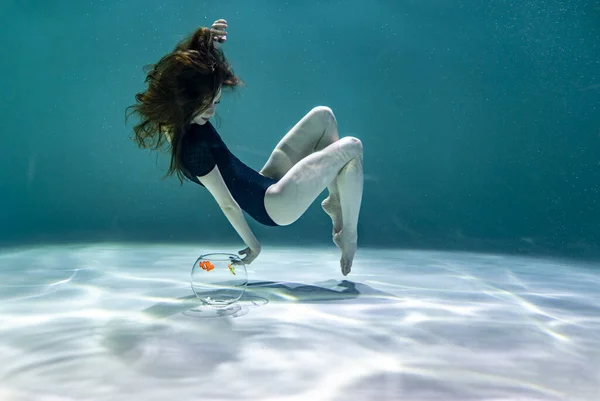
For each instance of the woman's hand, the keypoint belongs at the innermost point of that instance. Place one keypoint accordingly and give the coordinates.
(219, 30)
(251, 254)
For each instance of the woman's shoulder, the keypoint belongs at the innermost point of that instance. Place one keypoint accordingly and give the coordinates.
(197, 151)
(205, 132)
(197, 138)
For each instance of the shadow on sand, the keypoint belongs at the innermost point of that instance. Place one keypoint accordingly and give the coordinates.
(260, 293)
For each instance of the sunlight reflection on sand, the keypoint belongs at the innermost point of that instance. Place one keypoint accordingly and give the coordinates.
(106, 321)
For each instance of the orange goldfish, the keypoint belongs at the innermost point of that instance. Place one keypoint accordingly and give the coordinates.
(206, 265)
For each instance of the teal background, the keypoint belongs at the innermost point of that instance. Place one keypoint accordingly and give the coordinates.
(480, 120)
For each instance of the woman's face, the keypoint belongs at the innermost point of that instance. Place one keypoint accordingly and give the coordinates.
(203, 117)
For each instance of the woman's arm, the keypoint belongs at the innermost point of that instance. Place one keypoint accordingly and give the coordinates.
(213, 181)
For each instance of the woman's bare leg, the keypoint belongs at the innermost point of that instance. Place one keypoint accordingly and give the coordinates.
(291, 196)
(350, 186)
(315, 131)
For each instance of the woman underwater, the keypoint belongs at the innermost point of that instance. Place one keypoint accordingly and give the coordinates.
(182, 92)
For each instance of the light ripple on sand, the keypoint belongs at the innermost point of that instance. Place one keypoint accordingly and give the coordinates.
(99, 322)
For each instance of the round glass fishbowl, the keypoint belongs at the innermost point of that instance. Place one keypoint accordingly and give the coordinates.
(219, 279)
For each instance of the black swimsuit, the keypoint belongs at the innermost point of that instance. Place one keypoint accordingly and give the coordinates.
(203, 148)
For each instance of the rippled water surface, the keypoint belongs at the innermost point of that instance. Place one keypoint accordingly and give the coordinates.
(120, 322)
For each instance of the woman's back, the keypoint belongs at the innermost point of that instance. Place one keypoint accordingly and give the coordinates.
(203, 148)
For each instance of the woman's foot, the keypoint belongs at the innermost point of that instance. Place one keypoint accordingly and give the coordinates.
(347, 244)
(331, 206)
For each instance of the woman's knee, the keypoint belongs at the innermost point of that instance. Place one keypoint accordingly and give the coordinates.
(352, 145)
(323, 113)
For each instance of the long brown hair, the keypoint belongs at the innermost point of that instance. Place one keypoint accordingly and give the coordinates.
(183, 83)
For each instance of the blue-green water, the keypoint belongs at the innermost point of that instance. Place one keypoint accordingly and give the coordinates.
(479, 120)
(481, 128)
